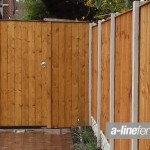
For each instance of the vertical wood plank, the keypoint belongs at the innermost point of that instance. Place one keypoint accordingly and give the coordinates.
(127, 78)
(147, 81)
(75, 75)
(44, 81)
(4, 74)
(38, 72)
(143, 68)
(18, 86)
(25, 75)
(81, 73)
(55, 74)
(68, 71)
(144, 79)
(90, 73)
(105, 104)
(0, 73)
(117, 75)
(61, 74)
(86, 47)
(48, 84)
(32, 92)
(94, 70)
(11, 73)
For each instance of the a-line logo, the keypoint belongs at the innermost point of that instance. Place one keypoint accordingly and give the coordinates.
(128, 131)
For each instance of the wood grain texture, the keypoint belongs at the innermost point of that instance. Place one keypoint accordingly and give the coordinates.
(44, 71)
(18, 74)
(38, 77)
(32, 80)
(25, 75)
(68, 74)
(11, 75)
(61, 75)
(105, 103)
(81, 73)
(49, 75)
(75, 74)
(4, 74)
(123, 76)
(94, 70)
(54, 96)
(55, 74)
(0, 73)
(86, 86)
(144, 81)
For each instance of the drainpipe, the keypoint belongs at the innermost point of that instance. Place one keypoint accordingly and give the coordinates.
(14, 5)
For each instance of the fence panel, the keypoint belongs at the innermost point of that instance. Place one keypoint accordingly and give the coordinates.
(123, 74)
(69, 74)
(4, 72)
(23, 81)
(105, 75)
(144, 80)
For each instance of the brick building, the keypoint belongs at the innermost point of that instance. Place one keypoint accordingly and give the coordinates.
(7, 9)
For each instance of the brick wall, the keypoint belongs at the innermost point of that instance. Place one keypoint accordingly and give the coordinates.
(8, 11)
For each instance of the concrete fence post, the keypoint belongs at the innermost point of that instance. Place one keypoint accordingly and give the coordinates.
(112, 74)
(135, 67)
(99, 81)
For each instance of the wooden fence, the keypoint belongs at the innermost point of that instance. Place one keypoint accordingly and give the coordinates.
(55, 95)
(144, 70)
(123, 44)
(70, 74)
(45, 76)
(123, 73)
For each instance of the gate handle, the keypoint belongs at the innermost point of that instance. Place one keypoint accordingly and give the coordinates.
(43, 64)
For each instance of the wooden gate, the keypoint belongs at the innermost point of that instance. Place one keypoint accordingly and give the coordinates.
(43, 74)
(24, 83)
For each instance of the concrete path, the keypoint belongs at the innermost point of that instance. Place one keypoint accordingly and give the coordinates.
(36, 139)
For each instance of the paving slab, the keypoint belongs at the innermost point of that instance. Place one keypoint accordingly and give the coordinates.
(36, 139)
